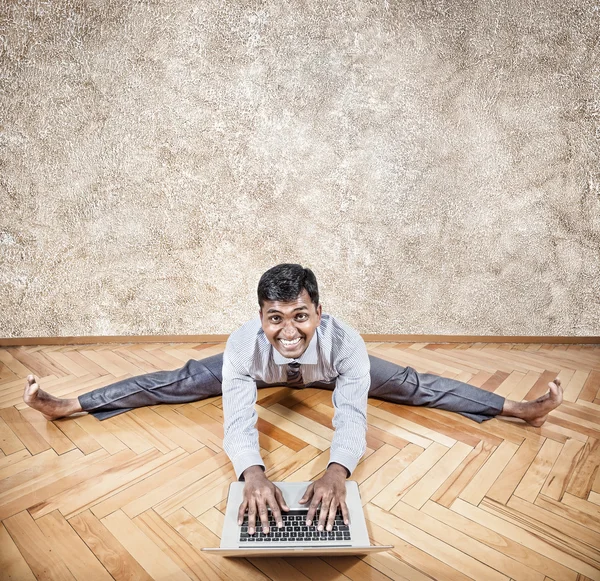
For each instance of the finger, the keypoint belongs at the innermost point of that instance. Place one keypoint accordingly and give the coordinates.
(281, 500)
(242, 510)
(275, 508)
(263, 513)
(310, 515)
(251, 516)
(308, 494)
(325, 504)
(275, 511)
(345, 512)
(332, 512)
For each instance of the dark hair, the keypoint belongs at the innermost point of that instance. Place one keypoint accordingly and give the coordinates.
(285, 282)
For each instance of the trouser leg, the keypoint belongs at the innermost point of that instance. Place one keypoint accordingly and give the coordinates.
(405, 386)
(194, 381)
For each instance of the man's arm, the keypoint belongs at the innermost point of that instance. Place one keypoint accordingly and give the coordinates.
(241, 444)
(240, 438)
(349, 440)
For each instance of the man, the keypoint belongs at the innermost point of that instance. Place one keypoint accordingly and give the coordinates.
(293, 344)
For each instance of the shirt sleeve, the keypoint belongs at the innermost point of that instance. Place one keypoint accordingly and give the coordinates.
(240, 438)
(350, 405)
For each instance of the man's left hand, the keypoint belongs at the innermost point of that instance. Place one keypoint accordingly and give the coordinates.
(330, 492)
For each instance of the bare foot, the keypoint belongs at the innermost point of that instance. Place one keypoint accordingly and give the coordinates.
(50, 407)
(536, 412)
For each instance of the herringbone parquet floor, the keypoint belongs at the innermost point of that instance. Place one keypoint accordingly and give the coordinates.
(138, 496)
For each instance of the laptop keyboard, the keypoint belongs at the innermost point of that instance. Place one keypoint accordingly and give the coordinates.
(294, 529)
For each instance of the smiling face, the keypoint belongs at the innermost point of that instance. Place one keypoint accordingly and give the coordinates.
(290, 326)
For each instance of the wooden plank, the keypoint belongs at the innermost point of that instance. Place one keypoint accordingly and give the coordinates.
(414, 471)
(427, 522)
(388, 422)
(48, 431)
(137, 498)
(462, 475)
(100, 433)
(66, 543)
(12, 564)
(281, 436)
(575, 386)
(580, 517)
(189, 559)
(74, 432)
(538, 471)
(316, 427)
(144, 551)
(520, 561)
(294, 429)
(558, 478)
(591, 387)
(109, 551)
(398, 418)
(528, 517)
(543, 557)
(13, 364)
(373, 463)
(27, 473)
(582, 505)
(9, 442)
(320, 569)
(68, 364)
(290, 464)
(126, 430)
(431, 424)
(24, 430)
(425, 564)
(81, 360)
(214, 469)
(14, 458)
(485, 478)
(164, 428)
(310, 470)
(435, 547)
(509, 478)
(379, 480)
(34, 495)
(108, 477)
(37, 363)
(437, 475)
(190, 427)
(36, 549)
(199, 536)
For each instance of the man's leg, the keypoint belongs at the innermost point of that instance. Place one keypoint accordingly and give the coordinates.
(194, 381)
(404, 385)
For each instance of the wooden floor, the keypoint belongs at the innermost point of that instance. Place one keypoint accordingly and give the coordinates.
(138, 496)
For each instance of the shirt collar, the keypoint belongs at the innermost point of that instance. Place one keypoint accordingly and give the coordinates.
(308, 357)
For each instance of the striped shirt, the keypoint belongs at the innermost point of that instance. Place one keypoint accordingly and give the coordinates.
(336, 353)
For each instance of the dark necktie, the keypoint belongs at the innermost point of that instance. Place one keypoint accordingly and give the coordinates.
(294, 375)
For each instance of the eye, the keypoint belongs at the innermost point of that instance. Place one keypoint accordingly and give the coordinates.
(302, 317)
(275, 319)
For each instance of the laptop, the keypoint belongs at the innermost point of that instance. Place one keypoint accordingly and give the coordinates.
(295, 539)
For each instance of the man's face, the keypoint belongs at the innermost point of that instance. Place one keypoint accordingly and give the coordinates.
(290, 326)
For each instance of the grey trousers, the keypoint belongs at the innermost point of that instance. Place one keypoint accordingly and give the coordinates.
(198, 380)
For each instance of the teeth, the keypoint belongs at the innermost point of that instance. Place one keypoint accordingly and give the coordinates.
(288, 343)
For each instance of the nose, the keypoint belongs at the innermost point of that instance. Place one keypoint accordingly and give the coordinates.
(289, 330)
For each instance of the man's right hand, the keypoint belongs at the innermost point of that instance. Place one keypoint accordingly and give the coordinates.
(259, 494)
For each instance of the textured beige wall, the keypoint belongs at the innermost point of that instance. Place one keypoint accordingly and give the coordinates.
(436, 163)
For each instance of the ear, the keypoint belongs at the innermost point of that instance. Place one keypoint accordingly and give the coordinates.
(319, 312)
